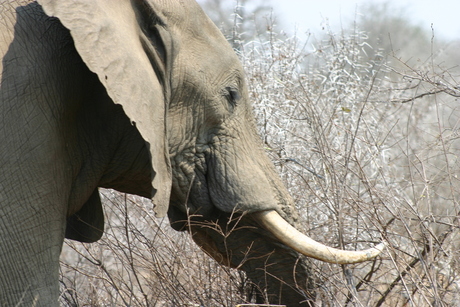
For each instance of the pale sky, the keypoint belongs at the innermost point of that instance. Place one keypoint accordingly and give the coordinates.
(310, 15)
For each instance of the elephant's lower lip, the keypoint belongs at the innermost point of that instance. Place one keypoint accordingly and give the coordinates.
(290, 236)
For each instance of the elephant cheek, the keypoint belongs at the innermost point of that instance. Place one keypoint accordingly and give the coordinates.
(198, 199)
(239, 184)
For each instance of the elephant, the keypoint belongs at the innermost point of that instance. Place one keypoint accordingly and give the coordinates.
(145, 97)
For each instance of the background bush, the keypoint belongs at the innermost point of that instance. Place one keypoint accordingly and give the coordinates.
(364, 133)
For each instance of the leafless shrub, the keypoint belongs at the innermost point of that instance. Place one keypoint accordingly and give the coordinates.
(370, 153)
(141, 261)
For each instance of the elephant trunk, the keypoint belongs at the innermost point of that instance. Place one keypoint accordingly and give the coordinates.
(303, 244)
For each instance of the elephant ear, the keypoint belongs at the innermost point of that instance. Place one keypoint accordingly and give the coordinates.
(127, 45)
(87, 225)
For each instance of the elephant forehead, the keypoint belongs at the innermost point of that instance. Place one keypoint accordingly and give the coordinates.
(209, 70)
(179, 12)
(198, 43)
(189, 22)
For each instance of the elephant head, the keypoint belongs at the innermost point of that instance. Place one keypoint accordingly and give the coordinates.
(146, 97)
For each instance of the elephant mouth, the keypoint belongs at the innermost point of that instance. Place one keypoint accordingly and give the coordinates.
(303, 244)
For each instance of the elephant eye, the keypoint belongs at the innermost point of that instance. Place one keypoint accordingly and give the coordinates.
(232, 95)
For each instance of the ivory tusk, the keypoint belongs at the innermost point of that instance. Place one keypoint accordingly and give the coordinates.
(296, 240)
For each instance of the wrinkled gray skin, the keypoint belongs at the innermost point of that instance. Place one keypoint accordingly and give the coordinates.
(153, 103)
